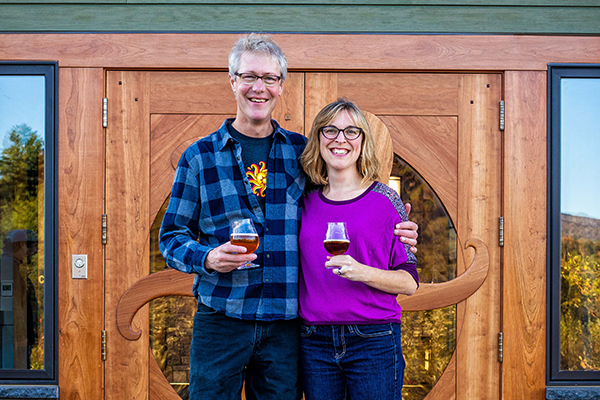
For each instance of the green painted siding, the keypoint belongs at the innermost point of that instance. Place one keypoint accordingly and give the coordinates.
(349, 16)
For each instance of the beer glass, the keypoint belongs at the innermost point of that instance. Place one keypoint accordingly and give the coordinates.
(336, 238)
(243, 233)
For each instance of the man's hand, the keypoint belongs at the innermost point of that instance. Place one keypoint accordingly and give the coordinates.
(408, 231)
(226, 258)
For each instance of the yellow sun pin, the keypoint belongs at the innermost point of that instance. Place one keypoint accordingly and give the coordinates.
(257, 176)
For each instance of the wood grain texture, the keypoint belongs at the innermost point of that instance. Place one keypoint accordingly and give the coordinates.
(191, 93)
(479, 189)
(320, 90)
(210, 93)
(402, 94)
(524, 304)
(289, 112)
(383, 145)
(80, 209)
(430, 296)
(169, 282)
(430, 146)
(170, 136)
(127, 207)
(365, 18)
(159, 387)
(307, 52)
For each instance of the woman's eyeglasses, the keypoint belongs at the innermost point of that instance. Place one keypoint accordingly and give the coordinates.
(350, 133)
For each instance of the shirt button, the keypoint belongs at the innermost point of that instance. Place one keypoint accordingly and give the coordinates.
(267, 229)
(268, 256)
(268, 280)
(238, 159)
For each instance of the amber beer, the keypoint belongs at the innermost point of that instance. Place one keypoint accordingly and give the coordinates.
(249, 241)
(336, 247)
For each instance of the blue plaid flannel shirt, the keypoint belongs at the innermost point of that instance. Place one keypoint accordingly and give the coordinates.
(209, 190)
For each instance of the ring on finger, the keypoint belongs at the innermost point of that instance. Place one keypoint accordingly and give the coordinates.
(339, 272)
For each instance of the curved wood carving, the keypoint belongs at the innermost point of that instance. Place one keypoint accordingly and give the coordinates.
(437, 295)
(159, 385)
(383, 145)
(169, 282)
(429, 295)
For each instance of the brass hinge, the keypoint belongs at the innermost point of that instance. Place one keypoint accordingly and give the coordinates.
(501, 232)
(103, 228)
(500, 346)
(104, 112)
(501, 115)
(103, 345)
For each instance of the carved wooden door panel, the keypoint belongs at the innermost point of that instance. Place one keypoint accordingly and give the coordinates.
(152, 118)
(445, 126)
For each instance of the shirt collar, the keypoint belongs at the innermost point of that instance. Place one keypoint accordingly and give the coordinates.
(223, 135)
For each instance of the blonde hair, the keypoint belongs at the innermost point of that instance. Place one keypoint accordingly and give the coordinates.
(312, 162)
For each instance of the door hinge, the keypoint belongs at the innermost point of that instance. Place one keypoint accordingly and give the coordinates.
(500, 346)
(103, 345)
(104, 112)
(501, 115)
(103, 228)
(501, 232)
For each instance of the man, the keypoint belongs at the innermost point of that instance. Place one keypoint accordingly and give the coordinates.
(245, 328)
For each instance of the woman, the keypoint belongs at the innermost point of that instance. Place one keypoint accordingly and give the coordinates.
(350, 337)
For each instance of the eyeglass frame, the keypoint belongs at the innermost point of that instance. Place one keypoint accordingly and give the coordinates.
(257, 77)
(360, 130)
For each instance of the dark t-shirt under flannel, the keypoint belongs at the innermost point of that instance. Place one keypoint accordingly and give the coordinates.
(255, 152)
(209, 190)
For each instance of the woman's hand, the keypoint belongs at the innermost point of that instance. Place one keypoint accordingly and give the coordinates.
(347, 267)
(390, 281)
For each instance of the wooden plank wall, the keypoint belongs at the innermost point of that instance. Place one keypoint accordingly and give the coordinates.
(350, 16)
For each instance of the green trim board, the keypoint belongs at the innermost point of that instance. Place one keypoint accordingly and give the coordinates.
(497, 3)
(298, 18)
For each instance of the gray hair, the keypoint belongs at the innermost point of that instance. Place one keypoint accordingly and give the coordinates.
(260, 45)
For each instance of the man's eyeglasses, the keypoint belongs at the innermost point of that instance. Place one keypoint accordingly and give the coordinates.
(250, 79)
(350, 133)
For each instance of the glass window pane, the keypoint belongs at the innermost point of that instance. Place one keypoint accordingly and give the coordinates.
(22, 133)
(580, 224)
(171, 320)
(428, 337)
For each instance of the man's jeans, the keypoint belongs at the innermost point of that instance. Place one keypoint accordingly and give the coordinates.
(226, 351)
(365, 360)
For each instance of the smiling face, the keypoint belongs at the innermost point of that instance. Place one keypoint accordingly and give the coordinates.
(255, 103)
(340, 154)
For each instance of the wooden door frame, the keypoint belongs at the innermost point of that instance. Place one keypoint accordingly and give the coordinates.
(523, 60)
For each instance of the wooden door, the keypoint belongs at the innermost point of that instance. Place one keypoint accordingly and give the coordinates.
(444, 125)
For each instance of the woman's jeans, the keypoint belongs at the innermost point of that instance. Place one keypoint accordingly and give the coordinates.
(365, 360)
(226, 351)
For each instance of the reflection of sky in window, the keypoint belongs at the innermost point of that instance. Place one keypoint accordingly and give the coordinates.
(580, 147)
(21, 102)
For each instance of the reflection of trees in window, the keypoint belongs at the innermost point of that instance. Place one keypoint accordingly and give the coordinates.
(428, 337)
(580, 294)
(21, 163)
(21, 188)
